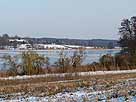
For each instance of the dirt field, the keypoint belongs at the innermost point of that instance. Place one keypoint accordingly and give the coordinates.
(52, 85)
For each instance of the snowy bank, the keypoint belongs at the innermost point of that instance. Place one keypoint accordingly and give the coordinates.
(71, 74)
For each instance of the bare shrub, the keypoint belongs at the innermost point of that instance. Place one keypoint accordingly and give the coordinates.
(77, 58)
(63, 62)
(107, 61)
(70, 64)
(32, 62)
(10, 61)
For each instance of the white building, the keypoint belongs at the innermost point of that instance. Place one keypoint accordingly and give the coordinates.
(49, 46)
(54, 46)
(18, 41)
(24, 46)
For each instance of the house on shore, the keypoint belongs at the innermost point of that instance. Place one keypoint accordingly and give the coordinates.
(20, 44)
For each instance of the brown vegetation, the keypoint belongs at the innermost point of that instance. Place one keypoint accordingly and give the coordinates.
(51, 85)
(33, 63)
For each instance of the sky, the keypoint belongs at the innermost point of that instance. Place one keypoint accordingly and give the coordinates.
(80, 19)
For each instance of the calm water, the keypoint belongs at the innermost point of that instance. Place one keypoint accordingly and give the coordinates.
(91, 55)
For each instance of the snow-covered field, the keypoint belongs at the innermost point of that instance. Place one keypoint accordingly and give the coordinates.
(123, 90)
(118, 93)
(81, 95)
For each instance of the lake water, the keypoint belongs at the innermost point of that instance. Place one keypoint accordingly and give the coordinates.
(91, 55)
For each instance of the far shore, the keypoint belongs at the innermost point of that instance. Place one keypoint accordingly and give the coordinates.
(18, 50)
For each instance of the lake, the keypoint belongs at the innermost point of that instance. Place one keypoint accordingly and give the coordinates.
(91, 55)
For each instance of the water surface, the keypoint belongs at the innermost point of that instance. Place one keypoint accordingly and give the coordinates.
(90, 55)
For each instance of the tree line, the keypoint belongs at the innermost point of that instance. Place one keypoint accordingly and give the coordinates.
(4, 41)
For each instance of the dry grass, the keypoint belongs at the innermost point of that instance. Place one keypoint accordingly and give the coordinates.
(87, 68)
(52, 85)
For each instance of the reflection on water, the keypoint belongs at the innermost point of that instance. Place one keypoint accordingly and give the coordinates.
(91, 55)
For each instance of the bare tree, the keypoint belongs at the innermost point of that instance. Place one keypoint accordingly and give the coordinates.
(63, 62)
(78, 58)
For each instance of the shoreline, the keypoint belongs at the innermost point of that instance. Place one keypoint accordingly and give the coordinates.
(91, 73)
(16, 50)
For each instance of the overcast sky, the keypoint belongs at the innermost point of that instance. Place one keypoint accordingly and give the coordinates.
(85, 19)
